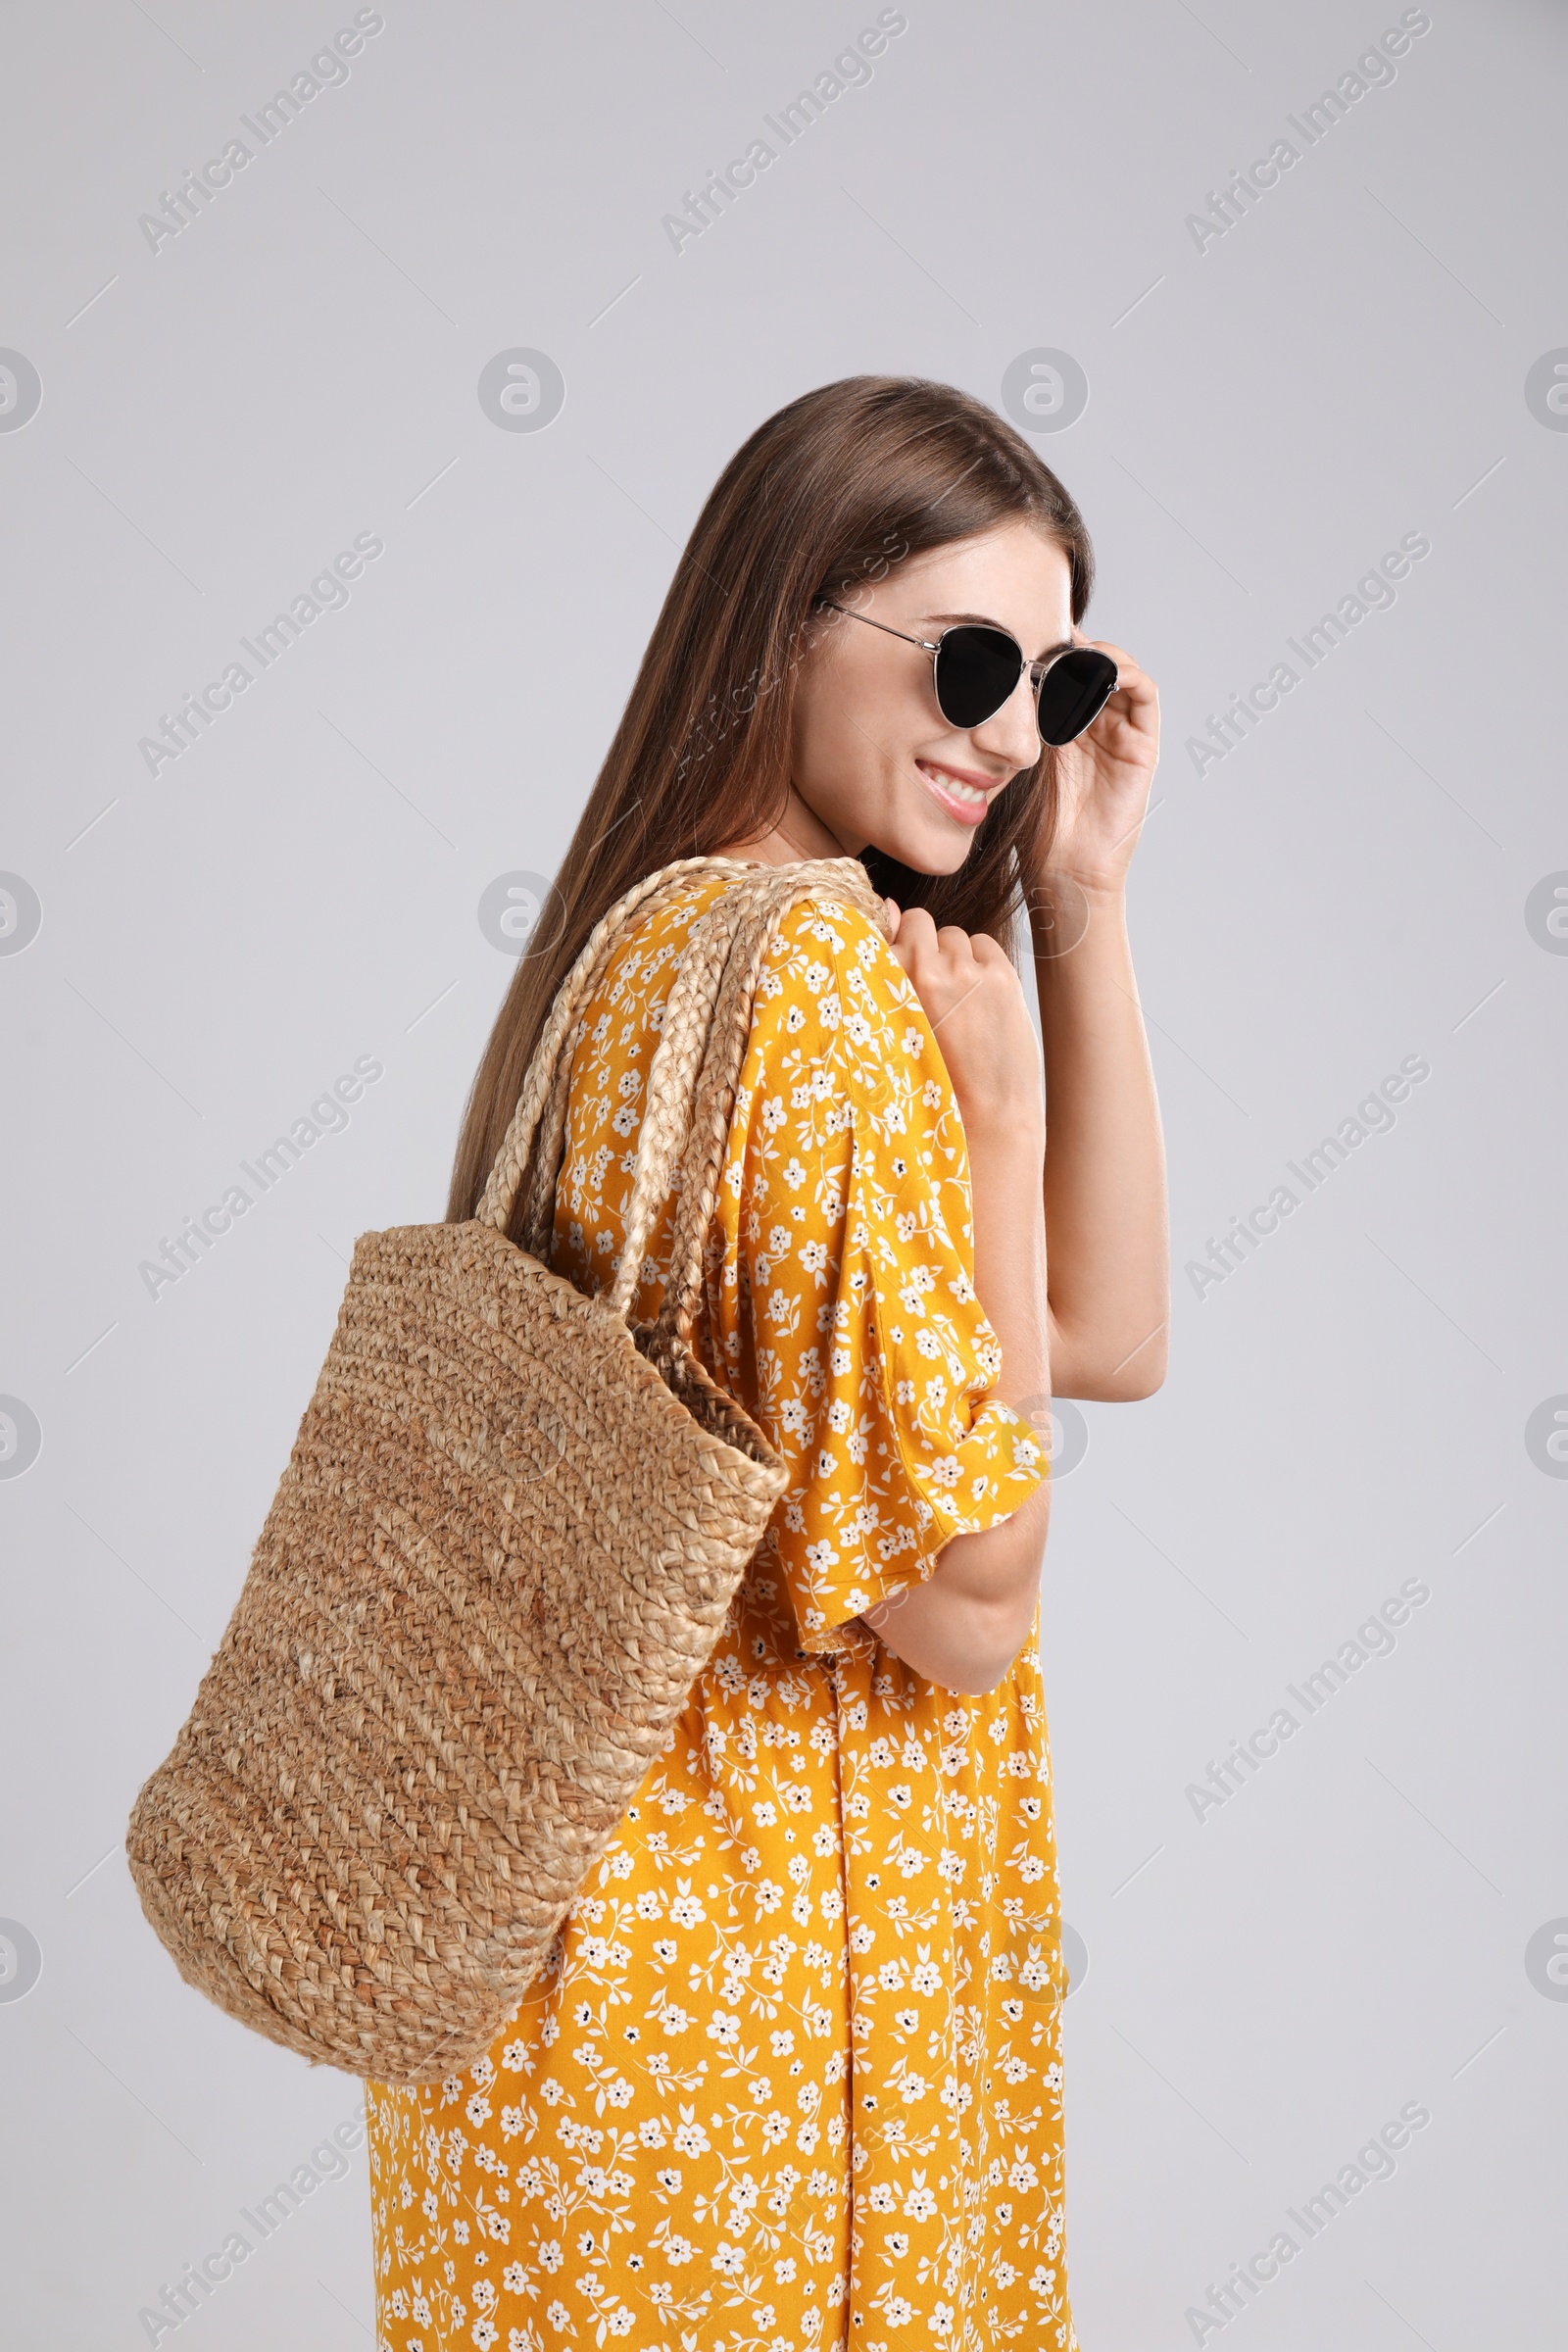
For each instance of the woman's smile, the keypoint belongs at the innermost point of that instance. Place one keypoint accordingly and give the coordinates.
(961, 797)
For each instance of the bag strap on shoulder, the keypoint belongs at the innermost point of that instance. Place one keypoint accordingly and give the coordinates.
(705, 1042)
(693, 1075)
(558, 1035)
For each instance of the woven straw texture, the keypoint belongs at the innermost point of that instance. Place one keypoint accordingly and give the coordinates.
(505, 1545)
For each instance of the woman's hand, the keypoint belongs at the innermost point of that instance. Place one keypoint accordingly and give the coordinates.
(1102, 782)
(974, 1000)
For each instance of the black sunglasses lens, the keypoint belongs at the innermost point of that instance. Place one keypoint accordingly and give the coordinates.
(1072, 694)
(977, 669)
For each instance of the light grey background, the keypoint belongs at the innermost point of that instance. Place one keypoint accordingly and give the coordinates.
(1267, 1985)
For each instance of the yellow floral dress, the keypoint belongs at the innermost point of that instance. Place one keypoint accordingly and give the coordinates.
(791, 2078)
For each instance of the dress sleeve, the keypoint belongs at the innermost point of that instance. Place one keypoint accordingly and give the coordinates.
(846, 1310)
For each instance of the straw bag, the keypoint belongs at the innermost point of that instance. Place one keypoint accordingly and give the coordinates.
(505, 1545)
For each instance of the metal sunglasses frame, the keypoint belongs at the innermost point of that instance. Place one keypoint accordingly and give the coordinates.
(1037, 669)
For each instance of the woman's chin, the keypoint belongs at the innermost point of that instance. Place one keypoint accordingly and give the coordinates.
(934, 846)
(912, 833)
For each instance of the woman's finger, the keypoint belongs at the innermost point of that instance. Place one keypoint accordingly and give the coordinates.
(915, 934)
(914, 918)
(1137, 686)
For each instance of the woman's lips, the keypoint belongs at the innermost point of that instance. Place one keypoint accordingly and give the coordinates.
(959, 800)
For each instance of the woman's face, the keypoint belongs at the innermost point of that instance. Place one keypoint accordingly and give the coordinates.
(873, 758)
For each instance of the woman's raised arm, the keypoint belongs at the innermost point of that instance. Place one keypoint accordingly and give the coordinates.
(1104, 1165)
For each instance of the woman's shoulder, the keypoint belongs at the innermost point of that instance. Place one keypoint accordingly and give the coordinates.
(830, 951)
(800, 971)
(644, 951)
(822, 948)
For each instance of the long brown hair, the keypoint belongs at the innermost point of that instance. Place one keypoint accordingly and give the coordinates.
(836, 489)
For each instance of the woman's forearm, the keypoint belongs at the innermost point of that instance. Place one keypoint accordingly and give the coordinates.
(1104, 1162)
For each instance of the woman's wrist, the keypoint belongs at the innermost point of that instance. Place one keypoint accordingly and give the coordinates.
(1005, 1142)
(1064, 898)
(1077, 934)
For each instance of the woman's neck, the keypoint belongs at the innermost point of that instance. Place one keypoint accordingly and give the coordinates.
(799, 834)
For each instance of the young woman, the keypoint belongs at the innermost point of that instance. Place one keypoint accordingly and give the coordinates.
(791, 2075)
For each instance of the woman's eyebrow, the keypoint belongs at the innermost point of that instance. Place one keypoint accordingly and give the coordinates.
(987, 620)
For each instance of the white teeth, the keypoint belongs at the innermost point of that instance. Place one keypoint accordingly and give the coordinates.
(959, 791)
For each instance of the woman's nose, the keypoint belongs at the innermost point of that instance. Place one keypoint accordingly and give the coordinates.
(1011, 733)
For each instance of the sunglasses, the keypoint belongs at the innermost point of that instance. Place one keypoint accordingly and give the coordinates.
(976, 668)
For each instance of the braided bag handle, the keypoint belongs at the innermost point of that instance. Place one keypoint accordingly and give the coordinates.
(671, 1076)
(551, 1058)
(759, 903)
(695, 1072)
(674, 1075)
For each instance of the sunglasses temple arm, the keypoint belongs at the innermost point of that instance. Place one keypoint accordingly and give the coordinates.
(925, 645)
